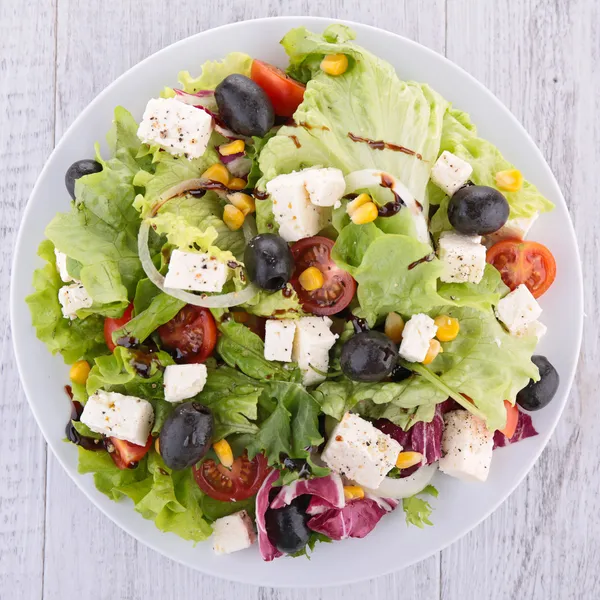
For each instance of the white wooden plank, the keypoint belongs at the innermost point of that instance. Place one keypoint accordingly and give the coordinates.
(540, 59)
(96, 43)
(27, 117)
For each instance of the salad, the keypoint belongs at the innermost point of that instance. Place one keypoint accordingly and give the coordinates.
(290, 299)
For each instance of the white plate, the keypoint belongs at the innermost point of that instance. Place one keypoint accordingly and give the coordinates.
(392, 545)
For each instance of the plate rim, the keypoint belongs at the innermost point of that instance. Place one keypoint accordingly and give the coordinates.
(295, 21)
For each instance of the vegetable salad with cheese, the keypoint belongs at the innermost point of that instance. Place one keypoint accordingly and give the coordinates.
(291, 300)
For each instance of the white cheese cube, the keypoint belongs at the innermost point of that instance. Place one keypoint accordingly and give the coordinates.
(514, 228)
(312, 343)
(325, 187)
(359, 451)
(518, 309)
(232, 533)
(178, 128)
(450, 172)
(296, 215)
(184, 381)
(279, 339)
(417, 334)
(195, 271)
(534, 328)
(463, 257)
(466, 446)
(73, 298)
(61, 266)
(115, 415)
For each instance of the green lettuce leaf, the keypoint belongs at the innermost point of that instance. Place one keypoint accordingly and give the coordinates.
(100, 232)
(215, 509)
(275, 304)
(253, 153)
(417, 510)
(214, 71)
(76, 339)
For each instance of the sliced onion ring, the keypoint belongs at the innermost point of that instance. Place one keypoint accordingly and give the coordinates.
(221, 301)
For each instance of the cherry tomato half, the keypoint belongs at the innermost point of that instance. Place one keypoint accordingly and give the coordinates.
(512, 418)
(242, 481)
(126, 455)
(191, 334)
(338, 288)
(285, 93)
(523, 262)
(111, 325)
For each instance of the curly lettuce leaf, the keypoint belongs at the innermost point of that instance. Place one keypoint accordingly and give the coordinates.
(214, 71)
(418, 510)
(76, 339)
(275, 304)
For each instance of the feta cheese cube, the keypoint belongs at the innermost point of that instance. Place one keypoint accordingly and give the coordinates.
(312, 343)
(518, 309)
(294, 212)
(466, 446)
(513, 228)
(184, 381)
(359, 451)
(61, 266)
(232, 533)
(463, 257)
(417, 334)
(195, 271)
(115, 415)
(279, 339)
(325, 187)
(72, 298)
(534, 328)
(450, 172)
(178, 128)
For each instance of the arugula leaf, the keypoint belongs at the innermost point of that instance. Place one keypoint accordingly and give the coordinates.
(417, 510)
(313, 539)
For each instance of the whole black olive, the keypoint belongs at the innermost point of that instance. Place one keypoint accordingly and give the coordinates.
(186, 435)
(286, 527)
(368, 356)
(79, 169)
(477, 210)
(269, 261)
(244, 106)
(536, 395)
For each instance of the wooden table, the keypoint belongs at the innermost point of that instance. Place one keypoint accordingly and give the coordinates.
(540, 58)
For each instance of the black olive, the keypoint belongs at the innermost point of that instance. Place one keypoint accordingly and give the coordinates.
(477, 210)
(400, 373)
(368, 356)
(536, 395)
(79, 169)
(286, 527)
(186, 435)
(269, 261)
(244, 106)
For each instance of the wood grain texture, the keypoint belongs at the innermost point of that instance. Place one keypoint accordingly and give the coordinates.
(27, 39)
(540, 58)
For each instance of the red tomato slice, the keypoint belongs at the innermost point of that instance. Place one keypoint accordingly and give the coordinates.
(127, 455)
(523, 262)
(339, 286)
(242, 481)
(111, 325)
(191, 334)
(512, 418)
(285, 93)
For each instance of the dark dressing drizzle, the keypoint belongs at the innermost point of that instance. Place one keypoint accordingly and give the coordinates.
(393, 207)
(427, 258)
(87, 443)
(296, 141)
(381, 145)
(259, 194)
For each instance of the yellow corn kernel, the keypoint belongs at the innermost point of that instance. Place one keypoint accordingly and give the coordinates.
(366, 213)
(510, 180)
(447, 328)
(243, 202)
(233, 217)
(408, 459)
(237, 183)
(157, 445)
(394, 326)
(434, 349)
(79, 372)
(357, 203)
(335, 64)
(234, 147)
(217, 172)
(224, 453)
(353, 492)
(311, 279)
